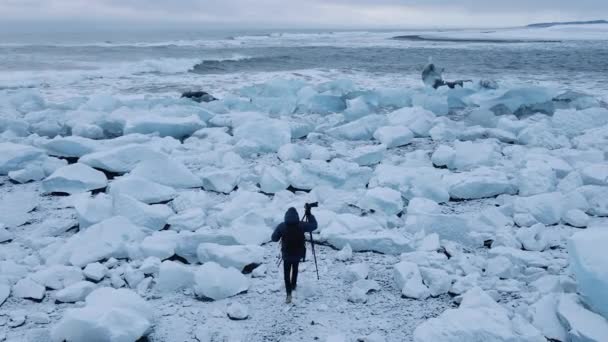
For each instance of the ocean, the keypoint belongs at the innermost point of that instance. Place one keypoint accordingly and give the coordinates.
(136, 64)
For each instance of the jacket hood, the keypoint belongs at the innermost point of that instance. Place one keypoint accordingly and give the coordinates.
(292, 217)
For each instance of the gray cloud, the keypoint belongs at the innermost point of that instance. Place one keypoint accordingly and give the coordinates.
(302, 13)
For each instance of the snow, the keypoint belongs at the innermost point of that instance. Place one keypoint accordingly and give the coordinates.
(109, 315)
(14, 157)
(544, 317)
(120, 159)
(230, 256)
(75, 178)
(5, 235)
(167, 171)
(141, 189)
(216, 282)
(589, 266)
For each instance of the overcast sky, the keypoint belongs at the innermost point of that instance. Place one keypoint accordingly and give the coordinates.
(296, 13)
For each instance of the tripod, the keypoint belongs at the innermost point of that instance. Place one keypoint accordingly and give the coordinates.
(312, 244)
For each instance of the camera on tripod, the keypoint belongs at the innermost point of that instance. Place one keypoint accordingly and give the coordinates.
(309, 206)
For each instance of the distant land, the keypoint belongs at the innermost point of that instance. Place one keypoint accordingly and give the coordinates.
(569, 23)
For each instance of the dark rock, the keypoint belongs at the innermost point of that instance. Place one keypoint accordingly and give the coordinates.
(199, 96)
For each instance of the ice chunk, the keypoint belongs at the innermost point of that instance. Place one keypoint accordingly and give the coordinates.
(70, 147)
(167, 171)
(536, 179)
(238, 257)
(15, 157)
(594, 138)
(362, 129)
(597, 199)
(273, 180)
(417, 119)
(576, 218)
(27, 288)
(595, 174)
(479, 183)
(544, 317)
(216, 282)
(174, 276)
(31, 172)
(582, 324)
(293, 152)
(383, 200)
(574, 122)
(479, 318)
(355, 272)
(394, 136)
(109, 238)
(469, 155)
(345, 254)
(223, 181)
(75, 292)
(151, 265)
(409, 281)
(142, 190)
(519, 257)
(5, 291)
(384, 241)
(533, 238)
(5, 235)
(368, 155)
(322, 104)
(438, 104)
(425, 182)
(357, 108)
(177, 127)
(160, 244)
(541, 135)
(267, 134)
(189, 219)
(438, 281)
(109, 315)
(590, 267)
(337, 173)
(419, 205)
(95, 271)
(443, 156)
(150, 216)
(544, 208)
(121, 159)
(75, 178)
(237, 311)
(482, 117)
(524, 101)
(91, 210)
(57, 277)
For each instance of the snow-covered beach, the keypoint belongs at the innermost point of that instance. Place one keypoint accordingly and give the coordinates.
(468, 214)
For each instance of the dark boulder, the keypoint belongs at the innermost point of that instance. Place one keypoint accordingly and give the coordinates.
(199, 96)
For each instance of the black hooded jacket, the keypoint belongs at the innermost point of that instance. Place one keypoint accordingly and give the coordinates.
(292, 219)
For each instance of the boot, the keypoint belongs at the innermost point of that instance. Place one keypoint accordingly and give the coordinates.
(288, 299)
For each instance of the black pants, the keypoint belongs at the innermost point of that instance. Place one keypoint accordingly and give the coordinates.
(290, 272)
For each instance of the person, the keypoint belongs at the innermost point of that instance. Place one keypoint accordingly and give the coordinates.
(432, 77)
(293, 249)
